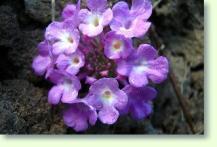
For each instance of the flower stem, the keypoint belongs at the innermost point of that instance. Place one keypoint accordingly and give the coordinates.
(53, 3)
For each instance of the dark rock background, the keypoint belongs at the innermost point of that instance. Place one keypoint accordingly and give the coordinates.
(179, 27)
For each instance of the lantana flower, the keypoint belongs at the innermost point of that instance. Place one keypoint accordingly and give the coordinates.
(142, 65)
(117, 46)
(43, 62)
(131, 22)
(107, 98)
(139, 103)
(70, 14)
(64, 39)
(44, 48)
(79, 114)
(71, 63)
(96, 18)
(89, 62)
(65, 91)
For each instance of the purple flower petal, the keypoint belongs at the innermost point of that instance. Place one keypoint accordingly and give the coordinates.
(60, 47)
(108, 115)
(70, 15)
(70, 117)
(74, 35)
(76, 82)
(124, 67)
(62, 61)
(158, 69)
(55, 94)
(63, 36)
(131, 23)
(107, 17)
(145, 94)
(143, 65)
(54, 75)
(83, 15)
(138, 78)
(121, 99)
(135, 28)
(90, 30)
(117, 46)
(69, 11)
(40, 64)
(72, 70)
(147, 51)
(94, 101)
(53, 31)
(105, 96)
(71, 63)
(44, 48)
(81, 124)
(97, 5)
(110, 83)
(139, 28)
(139, 101)
(79, 115)
(120, 11)
(116, 24)
(69, 94)
(92, 22)
(142, 8)
(141, 110)
(68, 89)
(92, 117)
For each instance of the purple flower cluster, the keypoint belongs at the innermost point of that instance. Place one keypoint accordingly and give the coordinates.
(97, 72)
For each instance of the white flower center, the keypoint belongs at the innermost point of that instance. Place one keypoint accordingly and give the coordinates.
(141, 66)
(67, 85)
(94, 20)
(107, 96)
(66, 38)
(117, 45)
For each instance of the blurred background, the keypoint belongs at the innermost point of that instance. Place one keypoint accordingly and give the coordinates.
(177, 30)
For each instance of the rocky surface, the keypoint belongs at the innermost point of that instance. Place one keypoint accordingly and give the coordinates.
(23, 96)
(24, 110)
